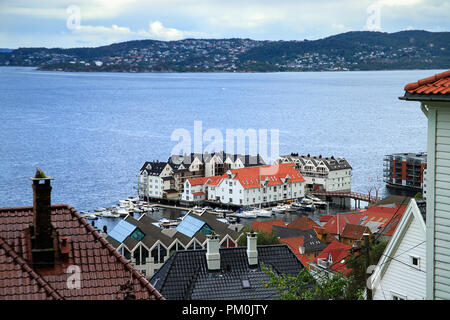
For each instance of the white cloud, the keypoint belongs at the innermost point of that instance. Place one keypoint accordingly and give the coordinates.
(158, 31)
(116, 33)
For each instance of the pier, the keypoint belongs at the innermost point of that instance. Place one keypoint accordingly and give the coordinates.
(358, 197)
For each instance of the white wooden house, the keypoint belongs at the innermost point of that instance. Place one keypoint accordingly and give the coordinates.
(401, 270)
(433, 93)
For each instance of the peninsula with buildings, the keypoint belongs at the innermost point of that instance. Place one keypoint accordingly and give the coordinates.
(350, 51)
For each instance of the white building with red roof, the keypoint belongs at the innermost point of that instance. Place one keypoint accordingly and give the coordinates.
(257, 185)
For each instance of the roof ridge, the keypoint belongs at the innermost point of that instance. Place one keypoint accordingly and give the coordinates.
(107, 245)
(33, 274)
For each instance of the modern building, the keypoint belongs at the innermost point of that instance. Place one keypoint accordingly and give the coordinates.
(405, 170)
(433, 93)
(147, 245)
(401, 270)
(260, 185)
(217, 273)
(321, 173)
(50, 252)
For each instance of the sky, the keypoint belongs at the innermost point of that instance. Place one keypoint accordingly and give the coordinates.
(91, 23)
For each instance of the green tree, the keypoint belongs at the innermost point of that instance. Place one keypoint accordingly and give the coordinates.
(357, 264)
(304, 286)
(263, 237)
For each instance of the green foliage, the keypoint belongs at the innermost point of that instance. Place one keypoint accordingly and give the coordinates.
(418, 196)
(358, 264)
(305, 287)
(263, 237)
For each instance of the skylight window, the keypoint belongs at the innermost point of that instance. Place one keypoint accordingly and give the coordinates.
(246, 284)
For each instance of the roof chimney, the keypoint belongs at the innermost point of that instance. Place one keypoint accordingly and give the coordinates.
(252, 252)
(212, 252)
(43, 250)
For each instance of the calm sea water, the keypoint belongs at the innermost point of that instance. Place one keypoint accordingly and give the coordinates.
(93, 131)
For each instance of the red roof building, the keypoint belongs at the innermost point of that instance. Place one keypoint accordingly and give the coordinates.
(266, 226)
(303, 223)
(332, 259)
(51, 252)
(336, 224)
(295, 243)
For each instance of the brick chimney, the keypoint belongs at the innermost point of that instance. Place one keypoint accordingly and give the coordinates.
(252, 251)
(212, 252)
(43, 249)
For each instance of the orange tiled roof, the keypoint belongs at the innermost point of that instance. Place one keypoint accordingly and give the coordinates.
(437, 84)
(294, 243)
(354, 231)
(252, 177)
(266, 226)
(303, 223)
(342, 219)
(339, 255)
(103, 269)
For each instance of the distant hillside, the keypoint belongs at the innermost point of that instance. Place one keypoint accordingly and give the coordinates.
(359, 50)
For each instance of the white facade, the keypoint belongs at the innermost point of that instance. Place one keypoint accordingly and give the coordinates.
(401, 271)
(231, 191)
(438, 200)
(324, 174)
(150, 186)
(193, 193)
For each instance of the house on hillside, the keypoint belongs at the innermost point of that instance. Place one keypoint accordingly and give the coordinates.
(352, 234)
(267, 225)
(50, 252)
(303, 223)
(401, 270)
(224, 273)
(331, 261)
(433, 93)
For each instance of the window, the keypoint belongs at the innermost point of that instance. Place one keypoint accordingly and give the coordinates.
(396, 296)
(415, 261)
(137, 235)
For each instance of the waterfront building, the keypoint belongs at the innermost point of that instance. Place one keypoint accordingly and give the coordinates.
(49, 252)
(196, 189)
(405, 171)
(321, 173)
(147, 244)
(433, 93)
(260, 185)
(169, 177)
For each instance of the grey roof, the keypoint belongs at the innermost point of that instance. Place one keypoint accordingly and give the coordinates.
(154, 233)
(187, 159)
(310, 242)
(332, 163)
(185, 275)
(153, 168)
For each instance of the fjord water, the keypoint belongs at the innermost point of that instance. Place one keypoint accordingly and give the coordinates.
(93, 131)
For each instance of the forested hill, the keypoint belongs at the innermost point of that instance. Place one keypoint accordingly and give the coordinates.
(359, 50)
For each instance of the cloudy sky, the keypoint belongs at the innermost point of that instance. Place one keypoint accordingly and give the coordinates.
(77, 23)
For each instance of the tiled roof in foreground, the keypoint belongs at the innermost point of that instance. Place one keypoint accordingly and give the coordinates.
(103, 270)
(185, 275)
(436, 87)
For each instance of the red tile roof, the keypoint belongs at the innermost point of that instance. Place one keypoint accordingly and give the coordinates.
(354, 231)
(295, 243)
(325, 218)
(437, 84)
(198, 193)
(252, 177)
(342, 219)
(339, 255)
(266, 226)
(103, 269)
(303, 223)
(388, 217)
